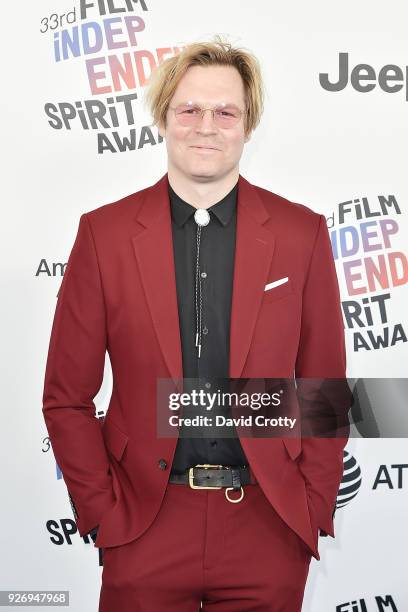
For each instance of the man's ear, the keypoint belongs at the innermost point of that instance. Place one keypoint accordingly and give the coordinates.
(162, 130)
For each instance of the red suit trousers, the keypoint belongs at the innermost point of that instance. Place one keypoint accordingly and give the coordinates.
(204, 553)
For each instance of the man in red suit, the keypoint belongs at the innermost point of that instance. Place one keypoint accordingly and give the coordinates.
(230, 524)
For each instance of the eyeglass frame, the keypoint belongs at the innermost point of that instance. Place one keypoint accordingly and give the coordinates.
(213, 109)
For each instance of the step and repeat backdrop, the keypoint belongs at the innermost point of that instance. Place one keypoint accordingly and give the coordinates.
(77, 135)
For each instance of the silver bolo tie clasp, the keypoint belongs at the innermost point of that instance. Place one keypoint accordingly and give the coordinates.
(202, 218)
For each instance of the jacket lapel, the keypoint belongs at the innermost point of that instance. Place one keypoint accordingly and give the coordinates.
(153, 246)
(253, 255)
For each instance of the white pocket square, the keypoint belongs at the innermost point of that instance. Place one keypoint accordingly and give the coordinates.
(280, 281)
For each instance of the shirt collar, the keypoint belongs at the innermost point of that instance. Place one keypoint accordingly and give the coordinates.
(223, 210)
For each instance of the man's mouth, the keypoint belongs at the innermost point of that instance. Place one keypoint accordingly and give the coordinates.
(203, 147)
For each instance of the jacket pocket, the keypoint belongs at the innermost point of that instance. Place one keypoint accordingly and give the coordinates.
(278, 292)
(115, 439)
(293, 446)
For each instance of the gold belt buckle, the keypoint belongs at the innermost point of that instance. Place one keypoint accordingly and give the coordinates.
(209, 466)
(191, 475)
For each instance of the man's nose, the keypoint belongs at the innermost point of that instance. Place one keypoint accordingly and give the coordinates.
(206, 122)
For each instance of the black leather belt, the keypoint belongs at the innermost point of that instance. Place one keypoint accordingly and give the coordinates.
(214, 476)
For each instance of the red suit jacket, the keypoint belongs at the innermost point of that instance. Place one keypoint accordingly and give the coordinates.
(118, 294)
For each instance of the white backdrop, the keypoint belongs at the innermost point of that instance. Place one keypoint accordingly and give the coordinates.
(314, 146)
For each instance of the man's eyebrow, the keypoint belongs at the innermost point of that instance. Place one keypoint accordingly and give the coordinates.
(195, 102)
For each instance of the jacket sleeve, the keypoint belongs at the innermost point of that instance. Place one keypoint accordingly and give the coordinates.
(323, 392)
(73, 377)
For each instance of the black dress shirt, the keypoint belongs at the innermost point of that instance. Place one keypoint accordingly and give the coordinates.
(211, 370)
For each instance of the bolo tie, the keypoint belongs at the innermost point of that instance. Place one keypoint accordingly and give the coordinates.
(202, 218)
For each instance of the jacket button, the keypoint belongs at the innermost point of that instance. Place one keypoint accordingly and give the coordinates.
(162, 464)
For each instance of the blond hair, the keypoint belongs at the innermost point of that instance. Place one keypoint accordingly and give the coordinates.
(164, 79)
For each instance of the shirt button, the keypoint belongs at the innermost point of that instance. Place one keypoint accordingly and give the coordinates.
(203, 274)
(208, 385)
(162, 464)
(213, 442)
(205, 330)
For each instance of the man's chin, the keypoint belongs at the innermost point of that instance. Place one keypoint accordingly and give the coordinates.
(204, 177)
(204, 174)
